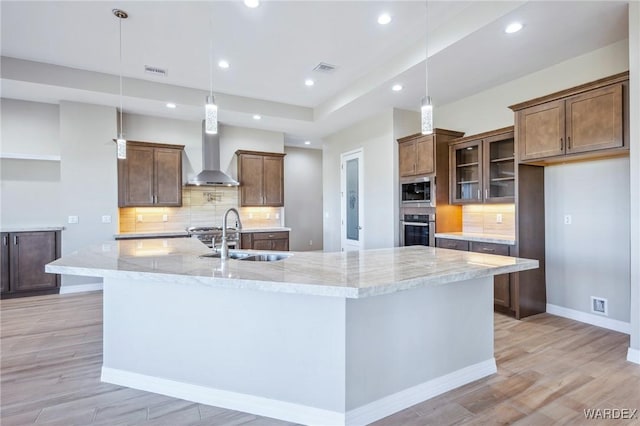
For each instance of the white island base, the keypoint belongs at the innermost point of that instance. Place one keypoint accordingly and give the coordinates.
(303, 358)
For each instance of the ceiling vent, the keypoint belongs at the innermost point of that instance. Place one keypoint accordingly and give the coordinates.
(324, 67)
(155, 71)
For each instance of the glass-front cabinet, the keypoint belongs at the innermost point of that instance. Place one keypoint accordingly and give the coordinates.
(483, 168)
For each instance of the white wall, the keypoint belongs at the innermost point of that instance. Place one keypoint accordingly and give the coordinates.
(88, 184)
(604, 184)
(375, 136)
(590, 257)
(234, 138)
(29, 189)
(303, 198)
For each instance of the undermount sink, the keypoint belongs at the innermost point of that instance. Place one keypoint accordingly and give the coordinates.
(253, 257)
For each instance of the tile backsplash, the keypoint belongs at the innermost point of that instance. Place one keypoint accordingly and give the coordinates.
(201, 206)
(484, 218)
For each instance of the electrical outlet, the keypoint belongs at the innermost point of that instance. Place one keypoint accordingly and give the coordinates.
(250, 215)
(73, 219)
(277, 215)
(567, 219)
(106, 219)
(599, 305)
(310, 242)
(139, 218)
(165, 218)
(499, 218)
(268, 215)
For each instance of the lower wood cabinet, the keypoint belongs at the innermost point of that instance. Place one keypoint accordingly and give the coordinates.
(24, 255)
(278, 241)
(503, 285)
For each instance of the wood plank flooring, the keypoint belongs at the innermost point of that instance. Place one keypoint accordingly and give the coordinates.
(549, 370)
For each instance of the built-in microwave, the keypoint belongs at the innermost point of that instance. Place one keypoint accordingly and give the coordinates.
(416, 191)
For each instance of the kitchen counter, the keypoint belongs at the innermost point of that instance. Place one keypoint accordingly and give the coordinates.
(274, 229)
(31, 228)
(136, 235)
(480, 238)
(318, 338)
(342, 274)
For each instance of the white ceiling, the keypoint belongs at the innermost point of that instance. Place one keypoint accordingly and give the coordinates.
(273, 48)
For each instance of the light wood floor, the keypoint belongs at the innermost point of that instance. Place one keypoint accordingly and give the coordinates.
(549, 370)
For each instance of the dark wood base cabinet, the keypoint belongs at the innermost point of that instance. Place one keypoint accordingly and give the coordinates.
(24, 255)
(277, 241)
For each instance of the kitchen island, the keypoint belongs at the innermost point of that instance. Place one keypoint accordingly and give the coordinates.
(317, 338)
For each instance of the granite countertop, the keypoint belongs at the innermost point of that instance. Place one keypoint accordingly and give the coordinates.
(134, 235)
(31, 228)
(481, 238)
(274, 229)
(339, 274)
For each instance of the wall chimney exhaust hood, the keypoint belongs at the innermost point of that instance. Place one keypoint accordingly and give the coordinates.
(211, 175)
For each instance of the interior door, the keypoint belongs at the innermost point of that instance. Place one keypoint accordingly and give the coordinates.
(351, 200)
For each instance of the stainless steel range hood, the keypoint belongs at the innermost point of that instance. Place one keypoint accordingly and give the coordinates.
(211, 174)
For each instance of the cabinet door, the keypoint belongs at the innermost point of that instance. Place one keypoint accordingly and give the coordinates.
(594, 120)
(251, 172)
(246, 241)
(262, 245)
(425, 150)
(541, 130)
(466, 172)
(136, 182)
(407, 158)
(273, 181)
(501, 290)
(280, 244)
(168, 177)
(4, 263)
(452, 244)
(30, 251)
(499, 169)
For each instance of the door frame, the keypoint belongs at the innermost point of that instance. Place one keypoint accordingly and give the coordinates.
(348, 245)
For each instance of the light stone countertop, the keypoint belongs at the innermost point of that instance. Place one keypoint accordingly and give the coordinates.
(274, 229)
(31, 228)
(134, 235)
(339, 274)
(481, 238)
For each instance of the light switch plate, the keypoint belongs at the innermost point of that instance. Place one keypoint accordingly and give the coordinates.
(106, 219)
(499, 218)
(73, 219)
(165, 218)
(139, 218)
(567, 219)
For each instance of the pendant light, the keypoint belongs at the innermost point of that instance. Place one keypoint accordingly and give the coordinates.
(426, 109)
(121, 141)
(210, 107)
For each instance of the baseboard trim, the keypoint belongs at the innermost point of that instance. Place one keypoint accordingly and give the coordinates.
(399, 401)
(225, 399)
(633, 355)
(80, 288)
(597, 320)
(298, 413)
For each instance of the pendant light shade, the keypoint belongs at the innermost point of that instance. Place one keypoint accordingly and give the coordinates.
(121, 141)
(426, 109)
(426, 112)
(211, 115)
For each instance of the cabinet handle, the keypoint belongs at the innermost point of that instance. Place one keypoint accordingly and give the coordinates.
(15, 240)
(488, 249)
(478, 194)
(561, 144)
(271, 235)
(5, 240)
(569, 142)
(486, 194)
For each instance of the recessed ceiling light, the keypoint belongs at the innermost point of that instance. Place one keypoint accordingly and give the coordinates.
(309, 82)
(513, 27)
(171, 105)
(257, 117)
(223, 64)
(396, 87)
(252, 3)
(307, 142)
(384, 19)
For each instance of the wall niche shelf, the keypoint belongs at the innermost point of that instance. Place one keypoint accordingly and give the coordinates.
(36, 157)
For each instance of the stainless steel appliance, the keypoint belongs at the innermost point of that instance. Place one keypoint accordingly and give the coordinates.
(418, 229)
(210, 235)
(417, 192)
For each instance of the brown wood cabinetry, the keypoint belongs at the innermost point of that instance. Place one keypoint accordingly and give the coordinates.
(483, 168)
(261, 176)
(24, 255)
(150, 176)
(416, 155)
(569, 124)
(452, 244)
(278, 241)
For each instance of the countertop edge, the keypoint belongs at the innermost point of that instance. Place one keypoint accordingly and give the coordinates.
(31, 228)
(476, 238)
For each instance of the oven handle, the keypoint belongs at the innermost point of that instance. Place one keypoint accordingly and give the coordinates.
(414, 223)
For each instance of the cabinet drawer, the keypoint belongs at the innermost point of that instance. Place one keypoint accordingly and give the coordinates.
(490, 248)
(270, 235)
(452, 244)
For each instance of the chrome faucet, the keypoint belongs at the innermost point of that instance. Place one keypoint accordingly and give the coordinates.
(224, 249)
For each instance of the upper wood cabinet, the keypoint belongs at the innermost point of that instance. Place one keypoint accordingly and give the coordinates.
(417, 155)
(261, 177)
(585, 119)
(24, 255)
(150, 176)
(483, 168)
